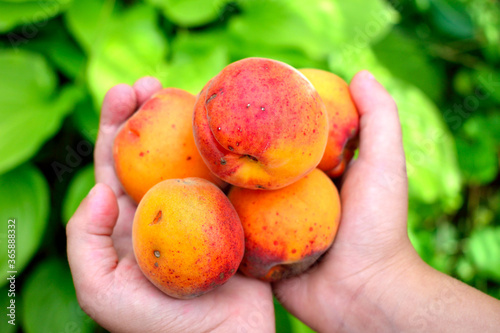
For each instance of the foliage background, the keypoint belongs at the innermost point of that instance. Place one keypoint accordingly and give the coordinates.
(439, 59)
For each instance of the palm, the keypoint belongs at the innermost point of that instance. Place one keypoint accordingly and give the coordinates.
(230, 306)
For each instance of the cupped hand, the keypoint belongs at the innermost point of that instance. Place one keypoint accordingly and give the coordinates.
(371, 250)
(109, 284)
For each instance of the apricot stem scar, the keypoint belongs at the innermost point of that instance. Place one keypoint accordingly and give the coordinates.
(157, 254)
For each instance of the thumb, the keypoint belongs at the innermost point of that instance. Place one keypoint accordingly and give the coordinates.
(91, 254)
(380, 130)
(375, 191)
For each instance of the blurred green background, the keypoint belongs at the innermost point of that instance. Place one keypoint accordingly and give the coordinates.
(440, 59)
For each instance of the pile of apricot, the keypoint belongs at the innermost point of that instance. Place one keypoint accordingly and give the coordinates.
(237, 177)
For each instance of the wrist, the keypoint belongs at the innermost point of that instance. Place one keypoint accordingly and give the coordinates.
(426, 300)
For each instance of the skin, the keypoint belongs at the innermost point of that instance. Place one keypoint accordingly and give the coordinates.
(260, 124)
(156, 143)
(343, 120)
(187, 237)
(287, 230)
(371, 279)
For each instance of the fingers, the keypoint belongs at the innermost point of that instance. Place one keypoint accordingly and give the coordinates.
(145, 87)
(91, 254)
(120, 103)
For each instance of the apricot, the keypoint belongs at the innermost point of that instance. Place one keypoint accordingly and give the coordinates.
(157, 143)
(260, 124)
(287, 230)
(187, 237)
(343, 119)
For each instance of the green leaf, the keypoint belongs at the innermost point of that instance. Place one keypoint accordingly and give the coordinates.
(86, 118)
(53, 307)
(133, 47)
(429, 247)
(196, 58)
(282, 318)
(54, 41)
(493, 120)
(78, 189)
(24, 197)
(190, 13)
(32, 14)
(477, 151)
(358, 59)
(447, 238)
(88, 20)
(298, 326)
(431, 160)
(462, 82)
(465, 270)
(287, 323)
(483, 251)
(488, 80)
(364, 27)
(423, 242)
(31, 71)
(486, 17)
(314, 28)
(317, 28)
(31, 111)
(406, 59)
(293, 57)
(452, 18)
(240, 48)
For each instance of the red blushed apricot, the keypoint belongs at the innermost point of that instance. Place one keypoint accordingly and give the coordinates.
(157, 143)
(187, 237)
(260, 124)
(287, 230)
(343, 119)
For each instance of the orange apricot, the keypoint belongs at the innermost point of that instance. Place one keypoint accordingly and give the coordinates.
(157, 143)
(187, 237)
(343, 119)
(287, 230)
(260, 124)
